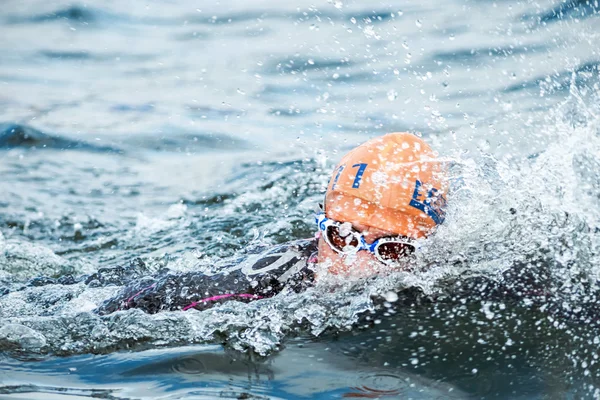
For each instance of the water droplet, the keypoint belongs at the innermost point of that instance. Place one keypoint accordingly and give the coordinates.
(451, 36)
(418, 23)
(391, 296)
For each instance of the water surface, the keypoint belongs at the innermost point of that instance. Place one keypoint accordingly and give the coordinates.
(170, 130)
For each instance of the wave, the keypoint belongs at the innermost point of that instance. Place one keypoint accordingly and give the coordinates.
(82, 55)
(483, 54)
(22, 136)
(311, 14)
(561, 81)
(71, 13)
(83, 16)
(294, 65)
(74, 14)
(571, 9)
(90, 16)
(176, 140)
(173, 140)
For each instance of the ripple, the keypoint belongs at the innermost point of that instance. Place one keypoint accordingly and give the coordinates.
(189, 366)
(59, 391)
(378, 385)
(388, 385)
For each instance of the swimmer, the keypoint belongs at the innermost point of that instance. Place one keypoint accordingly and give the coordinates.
(383, 197)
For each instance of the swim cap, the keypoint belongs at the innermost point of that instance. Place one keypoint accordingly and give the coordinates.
(393, 182)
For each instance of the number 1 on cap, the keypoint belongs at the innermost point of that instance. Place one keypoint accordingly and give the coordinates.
(359, 174)
(337, 176)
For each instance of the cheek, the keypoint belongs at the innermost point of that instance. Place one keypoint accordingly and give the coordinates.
(326, 254)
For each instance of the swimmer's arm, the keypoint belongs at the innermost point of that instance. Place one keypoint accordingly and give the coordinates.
(180, 292)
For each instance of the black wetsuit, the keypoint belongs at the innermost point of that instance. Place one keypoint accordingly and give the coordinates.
(264, 273)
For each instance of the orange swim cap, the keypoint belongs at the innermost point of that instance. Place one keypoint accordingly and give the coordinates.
(394, 182)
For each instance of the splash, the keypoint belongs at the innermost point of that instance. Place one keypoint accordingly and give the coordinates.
(537, 217)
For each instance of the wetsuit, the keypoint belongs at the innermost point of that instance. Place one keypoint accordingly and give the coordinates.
(264, 273)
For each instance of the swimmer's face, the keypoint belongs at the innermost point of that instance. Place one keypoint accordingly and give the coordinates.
(361, 263)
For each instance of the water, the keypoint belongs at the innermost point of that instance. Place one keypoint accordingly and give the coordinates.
(175, 130)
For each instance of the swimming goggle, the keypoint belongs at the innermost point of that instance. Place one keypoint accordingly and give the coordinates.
(344, 239)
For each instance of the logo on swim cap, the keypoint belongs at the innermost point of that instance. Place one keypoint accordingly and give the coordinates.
(433, 204)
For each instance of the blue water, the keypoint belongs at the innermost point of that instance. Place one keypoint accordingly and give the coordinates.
(182, 131)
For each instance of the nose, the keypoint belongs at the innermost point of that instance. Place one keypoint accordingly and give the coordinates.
(365, 262)
(365, 256)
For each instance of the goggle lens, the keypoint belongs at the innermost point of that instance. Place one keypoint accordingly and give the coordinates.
(393, 251)
(343, 244)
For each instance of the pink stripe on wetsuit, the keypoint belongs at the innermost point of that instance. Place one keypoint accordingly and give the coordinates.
(206, 300)
(220, 297)
(129, 300)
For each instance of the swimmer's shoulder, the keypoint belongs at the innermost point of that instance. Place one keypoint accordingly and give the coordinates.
(281, 257)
